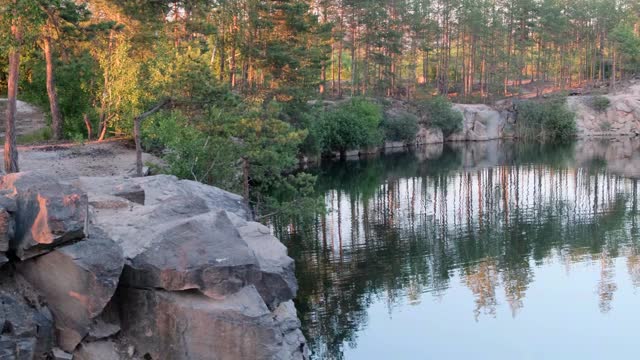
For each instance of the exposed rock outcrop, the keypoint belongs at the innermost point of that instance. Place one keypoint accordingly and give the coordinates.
(481, 123)
(48, 214)
(143, 268)
(427, 136)
(78, 281)
(620, 118)
(26, 324)
(194, 256)
(181, 326)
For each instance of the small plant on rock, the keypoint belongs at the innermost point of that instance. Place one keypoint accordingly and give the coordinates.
(600, 103)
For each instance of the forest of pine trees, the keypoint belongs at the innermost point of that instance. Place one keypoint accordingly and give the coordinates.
(234, 79)
(469, 48)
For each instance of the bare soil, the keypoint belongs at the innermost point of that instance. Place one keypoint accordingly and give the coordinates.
(29, 118)
(69, 161)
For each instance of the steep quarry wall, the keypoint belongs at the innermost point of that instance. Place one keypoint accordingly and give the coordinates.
(147, 268)
(621, 118)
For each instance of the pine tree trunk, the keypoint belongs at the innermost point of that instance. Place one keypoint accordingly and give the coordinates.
(56, 117)
(10, 150)
(103, 102)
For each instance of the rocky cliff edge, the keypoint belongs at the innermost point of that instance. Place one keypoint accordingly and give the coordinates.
(143, 268)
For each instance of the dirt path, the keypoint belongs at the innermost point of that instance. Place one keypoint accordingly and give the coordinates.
(68, 161)
(29, 118)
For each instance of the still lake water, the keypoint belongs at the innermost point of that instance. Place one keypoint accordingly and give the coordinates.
(484, 251)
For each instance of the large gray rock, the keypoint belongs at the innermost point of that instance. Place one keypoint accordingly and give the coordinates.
(7, 225)
(427, 136)
(77, 282)
(26, 325)
(47, 215)
(191, 326)
(201, 280)
(188, 241)
(99, 350)
(204, 252)
(278, 282)
(480, 123)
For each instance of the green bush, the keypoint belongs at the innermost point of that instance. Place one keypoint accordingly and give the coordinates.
(439, 113)
(402, 127)
(191, 153)
(548, 120)
(74, 80)
(599, 103)
(350, 125)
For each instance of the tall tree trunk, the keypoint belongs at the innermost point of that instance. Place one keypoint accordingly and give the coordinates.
(340, 69)
(56, 117)
(613, 71)
(232, 65)
(105, 91)
(10, 150)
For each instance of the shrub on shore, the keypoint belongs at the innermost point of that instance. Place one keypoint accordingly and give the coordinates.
(351, 125)
(400, 127)
(550, 120)
(438, 113)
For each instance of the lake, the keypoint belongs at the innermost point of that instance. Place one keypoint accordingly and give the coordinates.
(491, 250)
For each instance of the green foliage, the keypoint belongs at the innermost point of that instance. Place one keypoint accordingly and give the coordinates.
(35, 137)
(599, 103)
(351, 125)
(192, 153)
(75, 93)
(438, 112)
(551, 120)
(401, 127)
(210, 136)
(628, 44)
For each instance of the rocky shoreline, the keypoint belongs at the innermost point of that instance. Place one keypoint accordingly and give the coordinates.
(497, 122)
(140, 268)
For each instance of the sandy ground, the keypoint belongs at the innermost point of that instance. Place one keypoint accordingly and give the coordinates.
(69, 161)
(28, 119)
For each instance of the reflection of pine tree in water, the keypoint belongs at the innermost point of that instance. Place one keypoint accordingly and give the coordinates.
(411, 234)
(633, 267)
(606, 285)
(482, 279)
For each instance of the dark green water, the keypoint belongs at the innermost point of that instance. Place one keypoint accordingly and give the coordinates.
(484, 251)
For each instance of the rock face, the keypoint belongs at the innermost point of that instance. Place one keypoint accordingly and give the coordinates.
(144, 268)
(481, 123)
(48, 213)
(621, 118)
(188, 325)
(426, 136)
(78, 281)
(26, 325)
(7, 225)
(196, 265)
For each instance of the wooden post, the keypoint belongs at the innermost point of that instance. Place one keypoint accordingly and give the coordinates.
(136, 132)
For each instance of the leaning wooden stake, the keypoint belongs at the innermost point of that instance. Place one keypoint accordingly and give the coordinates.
(136, 132)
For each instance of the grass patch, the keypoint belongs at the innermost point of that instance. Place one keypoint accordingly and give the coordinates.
(35, 137)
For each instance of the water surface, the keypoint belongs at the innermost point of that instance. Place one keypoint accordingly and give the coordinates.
(484, 251)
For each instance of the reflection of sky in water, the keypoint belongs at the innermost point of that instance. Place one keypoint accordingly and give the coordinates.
(557, 321)
(508, 260)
